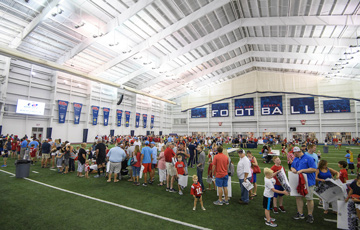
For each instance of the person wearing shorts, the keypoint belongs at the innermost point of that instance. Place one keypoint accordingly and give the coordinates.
(116, 155)
(304, 163)
(220, 170)
(100, 150)
(170, 169)
(146, 159)
(45, 157)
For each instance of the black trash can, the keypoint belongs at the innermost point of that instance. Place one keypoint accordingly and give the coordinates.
(22, 168)
(326, 149)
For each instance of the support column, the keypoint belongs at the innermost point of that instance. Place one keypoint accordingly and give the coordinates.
(3, 87)
(231, 111)
(188, 122)
(53, 98)
(208, 119)
(257, 114)
(356, 119)
(320, 139)
(287, 116)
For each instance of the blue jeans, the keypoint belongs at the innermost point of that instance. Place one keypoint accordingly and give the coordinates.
(244, 191)
(199, 174)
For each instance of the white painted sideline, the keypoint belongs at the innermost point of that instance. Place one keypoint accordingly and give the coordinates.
(114, 204)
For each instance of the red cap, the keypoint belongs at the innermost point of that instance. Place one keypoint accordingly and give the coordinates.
(132, 141)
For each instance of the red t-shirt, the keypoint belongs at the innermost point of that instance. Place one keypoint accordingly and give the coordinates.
(221, 163)
(275, 169)
(343, 175)
(169, 154)
(33, 152)
(138, 158)
(196, 189)
(180, 167)
(13, 146)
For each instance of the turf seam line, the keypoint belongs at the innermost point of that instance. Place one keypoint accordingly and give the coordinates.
(114, 204)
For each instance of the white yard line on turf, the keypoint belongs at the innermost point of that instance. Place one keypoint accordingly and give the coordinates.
(114, 204)
(35, 172)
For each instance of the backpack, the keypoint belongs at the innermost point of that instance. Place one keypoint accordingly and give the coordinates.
(231, 168)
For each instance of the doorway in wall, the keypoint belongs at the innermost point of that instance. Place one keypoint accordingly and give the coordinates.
(303, 136)
(37, 132)
(343, 137)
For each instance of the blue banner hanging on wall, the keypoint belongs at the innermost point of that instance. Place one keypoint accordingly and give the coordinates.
(244, 107)
(271, 106)
(137, 120)
(127, 118)
(119, 116)
(336, 106)
(95, 112)
(77, 112)
(152, 121)
(144, 120)
(304, 105)
(220, 110)
(198, 113)
(62, 110)
(106, 112)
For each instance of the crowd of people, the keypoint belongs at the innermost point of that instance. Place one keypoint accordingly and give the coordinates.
(139, 157)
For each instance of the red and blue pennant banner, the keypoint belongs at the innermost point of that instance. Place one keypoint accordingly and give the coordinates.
(106, 112)
(220, 110)
(144, 120)
(304, 105)
(244, 107)
(152, 121)
(336, 106)
(127, 118)
(198, 113)
(119, 116)
(62, 110)
(95, 112)
(77, 112)
(137, 120)
(271, 106)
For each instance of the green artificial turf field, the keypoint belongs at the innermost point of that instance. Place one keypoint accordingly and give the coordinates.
(28, 205)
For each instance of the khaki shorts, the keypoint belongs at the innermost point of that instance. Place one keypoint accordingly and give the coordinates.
(45, 156)
(170, 169)
(115, 167)
(310, 195)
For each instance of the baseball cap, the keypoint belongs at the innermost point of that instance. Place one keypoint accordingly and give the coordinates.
(135, 138)
(240, 151)
(153, 143)
(146, 142)
(132, 141)
(296, 149)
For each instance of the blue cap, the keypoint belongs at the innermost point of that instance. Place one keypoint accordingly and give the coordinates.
(153, 143)
(135, 138)
(146, 142)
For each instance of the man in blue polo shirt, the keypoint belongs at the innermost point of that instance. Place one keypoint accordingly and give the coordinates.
(304, 164)
(23, 147)
(146, 159)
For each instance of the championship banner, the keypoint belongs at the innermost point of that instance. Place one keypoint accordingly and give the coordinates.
(137, 120)
(271, 105)
(198, 113)
(119, 116)
(127, 118)
(77, 112)
(244, 107)
(95, 112)
(106, 112)
(144, 120)
(220, 110)
(304, 105)
(336, 106)
(152, 121)
(62, 110)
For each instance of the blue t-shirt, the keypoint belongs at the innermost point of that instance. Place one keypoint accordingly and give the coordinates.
(33, 143)
(348, 159)
(315, 156)
(154, 155)
(116, 154)
(305, 162)
(146, 151)
(24, 144)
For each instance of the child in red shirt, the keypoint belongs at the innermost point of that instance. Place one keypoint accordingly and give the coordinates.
(196, 191)
(210, 179)
(343, 172)
(276, 168)
(33, 153)
(180, 165)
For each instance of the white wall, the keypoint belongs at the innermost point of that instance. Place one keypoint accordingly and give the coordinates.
(50, 86)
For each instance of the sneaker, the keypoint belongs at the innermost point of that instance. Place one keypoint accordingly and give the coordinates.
(144, 184)
(299, 216)
(218, 202)
(321, 203)
(271, 219)
(194, 208)
(97, 176)
(282, 209)
(275, 210)
(271, 224)
(203, 208)
(172, 190)
(180, 193)
(225, 202)
(310, 219)
(3, 166)
(167, 189)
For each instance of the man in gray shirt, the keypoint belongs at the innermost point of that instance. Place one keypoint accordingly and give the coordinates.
(201, 165)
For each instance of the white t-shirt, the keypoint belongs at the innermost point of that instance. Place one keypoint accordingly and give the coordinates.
(244, 166)
(160, 146)
(269, 185)
(137, 143)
